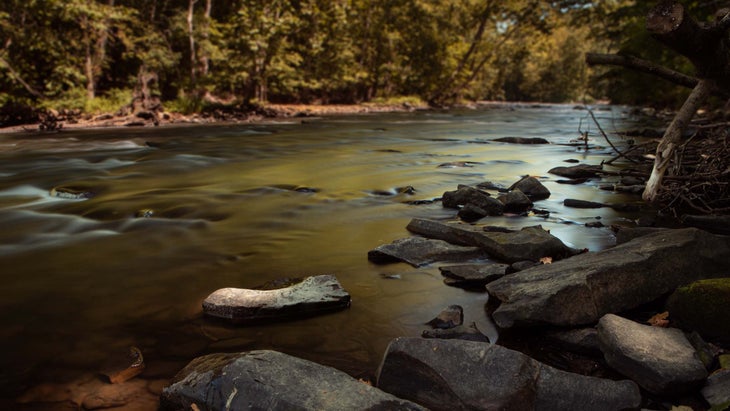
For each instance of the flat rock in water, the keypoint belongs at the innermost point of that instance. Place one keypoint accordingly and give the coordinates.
(314, 295)
(269, 380)
(522, 140)
(661, 360)
(578, 171)
(466, 375)
(418, 251)
(530, 243)
(473, 275)
(581, 289)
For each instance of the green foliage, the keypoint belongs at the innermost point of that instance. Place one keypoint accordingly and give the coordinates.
(412, 101)
(110, 102)
(77, 99)
(81, 53)
(186, 104)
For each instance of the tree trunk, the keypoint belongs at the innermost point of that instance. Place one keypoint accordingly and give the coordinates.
(707, 48)
(673, 137)
(204, 58)
(95, 52)
(191, 38)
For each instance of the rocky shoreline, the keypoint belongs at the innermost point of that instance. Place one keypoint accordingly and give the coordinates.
(641, 325)
(592, 306)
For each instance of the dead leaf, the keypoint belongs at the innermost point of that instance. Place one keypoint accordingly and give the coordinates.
(365, 381)
(659, 320)
(546, 260)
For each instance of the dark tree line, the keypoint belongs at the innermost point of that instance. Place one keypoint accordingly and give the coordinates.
(96, 55)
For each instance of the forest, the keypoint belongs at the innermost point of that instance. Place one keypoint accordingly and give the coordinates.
(95, 56)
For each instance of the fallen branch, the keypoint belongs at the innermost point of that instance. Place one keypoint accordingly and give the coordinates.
(673, 136)
(642, 66)
(620, 154)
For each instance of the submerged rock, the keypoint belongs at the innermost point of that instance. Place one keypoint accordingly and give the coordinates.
(418, 251)
(125, 367)
(661, 360)
(522, 140)
(72, 193)
(269, 380)
(581, 289)
(466, 375)
(313, 295)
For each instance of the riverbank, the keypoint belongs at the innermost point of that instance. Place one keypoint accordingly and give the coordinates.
(58, 120)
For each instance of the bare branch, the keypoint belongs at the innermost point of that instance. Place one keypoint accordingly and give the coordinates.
(643, 66)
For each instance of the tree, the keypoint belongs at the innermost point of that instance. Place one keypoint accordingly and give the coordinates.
(258, 46)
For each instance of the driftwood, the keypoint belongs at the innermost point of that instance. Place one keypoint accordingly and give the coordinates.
(706, 46)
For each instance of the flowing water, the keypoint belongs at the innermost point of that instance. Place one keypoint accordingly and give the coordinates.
(239, 205)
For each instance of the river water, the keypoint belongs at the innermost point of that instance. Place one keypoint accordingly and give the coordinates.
(239, 205)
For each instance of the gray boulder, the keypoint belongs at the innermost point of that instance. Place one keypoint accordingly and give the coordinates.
(450, 317)
(532, 188)
(659, 359)
(717, 390)
(515, 201)
(460, 332)
(703, 306)
(469, 195)
(418, 251)
(626, 234)
(580, 290)
(530, 243)
(269, 380)
(473, 275)
(470, 213)
(313, 295)
(713, 224)
(579, 340)
(466, 375)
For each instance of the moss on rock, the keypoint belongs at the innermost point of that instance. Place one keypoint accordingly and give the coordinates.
(703, 306)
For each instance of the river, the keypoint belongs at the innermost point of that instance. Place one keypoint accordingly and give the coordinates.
(239, 205)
